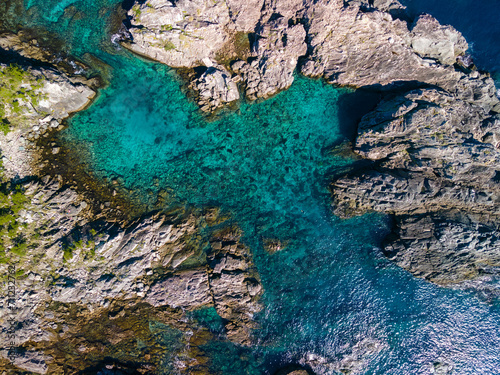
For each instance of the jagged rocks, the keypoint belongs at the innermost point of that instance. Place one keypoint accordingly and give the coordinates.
(445, 248)
(352, 360)
(187, 289)
(179, 34)
(355, 43)
(277, 49)
(234, 283)
(245, 14)
(158, 260)
(215, 89)
(431, 39)
(435, 155)
(354, 48)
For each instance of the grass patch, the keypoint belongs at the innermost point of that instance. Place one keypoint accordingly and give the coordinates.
(12, 230)
(169, 46)
(18, 89)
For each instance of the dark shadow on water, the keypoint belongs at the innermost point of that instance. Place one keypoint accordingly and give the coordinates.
(352, 107)
(110, 366)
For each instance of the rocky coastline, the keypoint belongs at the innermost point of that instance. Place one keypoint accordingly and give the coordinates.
(433, 141)
(432, 145)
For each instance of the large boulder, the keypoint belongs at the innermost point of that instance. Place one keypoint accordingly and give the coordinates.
(431, 39)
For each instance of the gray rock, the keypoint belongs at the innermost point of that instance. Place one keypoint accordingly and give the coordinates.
(215, 89)
(245, 14)
(187, 289)
(234, 284)
(31, 361)
(353, 43)
(443, 43)
(58, 96)
(383, 5)
(436, 156)
(181, 33)
(445, 248)
(277, 49)
(441, 367)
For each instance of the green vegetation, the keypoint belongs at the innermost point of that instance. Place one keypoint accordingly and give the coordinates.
(137, 10)
(17, 89)
(84, 244)
(166, 27)
(12, 236)
(169, 45)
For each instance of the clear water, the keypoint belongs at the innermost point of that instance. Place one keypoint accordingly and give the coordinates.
(268, 166)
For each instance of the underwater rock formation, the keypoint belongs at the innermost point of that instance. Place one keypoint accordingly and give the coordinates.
(435, 148)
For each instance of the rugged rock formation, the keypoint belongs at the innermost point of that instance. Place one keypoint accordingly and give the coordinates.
(442, 43)
(434, 153)
(277, 48)
(349, 43)
(215, 88)
(49, 97)
(436, 169)
(234, 284)
(180, 35)
(26, 45)
(159, 259)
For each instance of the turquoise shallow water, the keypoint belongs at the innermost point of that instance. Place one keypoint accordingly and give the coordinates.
(268, 166)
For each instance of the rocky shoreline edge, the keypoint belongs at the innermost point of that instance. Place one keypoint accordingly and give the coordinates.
(432, 143)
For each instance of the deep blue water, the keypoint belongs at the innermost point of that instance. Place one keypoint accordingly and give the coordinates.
(478, 21)
(268, 166)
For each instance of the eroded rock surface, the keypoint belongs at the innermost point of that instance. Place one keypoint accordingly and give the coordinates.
(234, 283)
(179, 34)
(215, 88)
(353, 43)
(443, 43)
(50, 97)
(277, 49)
(160, 260)
(436, 161)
